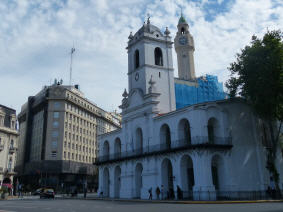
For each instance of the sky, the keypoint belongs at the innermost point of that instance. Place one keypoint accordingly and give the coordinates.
(36, 37)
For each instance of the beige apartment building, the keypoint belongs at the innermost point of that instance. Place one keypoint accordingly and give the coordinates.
(57, 145)
(8, 145)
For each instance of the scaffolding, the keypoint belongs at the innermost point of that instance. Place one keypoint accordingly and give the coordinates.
(204, 89)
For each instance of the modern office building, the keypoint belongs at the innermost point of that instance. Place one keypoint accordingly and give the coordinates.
(8, 145)
(57, 144)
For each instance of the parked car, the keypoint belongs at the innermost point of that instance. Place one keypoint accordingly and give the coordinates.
(47, 193)
(37, 191)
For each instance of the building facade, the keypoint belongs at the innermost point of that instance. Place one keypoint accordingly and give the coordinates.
(205, 151)
(8, 145)
(57, 144)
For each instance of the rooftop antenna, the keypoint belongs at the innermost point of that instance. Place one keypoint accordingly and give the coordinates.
(72, 52)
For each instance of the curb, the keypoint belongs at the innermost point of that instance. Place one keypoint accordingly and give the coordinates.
(178, 202)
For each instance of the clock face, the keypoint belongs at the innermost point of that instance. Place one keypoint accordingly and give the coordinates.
(183, 40)
(137, 77)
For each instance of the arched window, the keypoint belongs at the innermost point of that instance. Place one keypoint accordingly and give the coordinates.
(139, 141)
(117, 148)
(184, 132)
(165, 137)
(182, 30)
(105, 151)
(137, 59)
(212, 126)
(158, 57)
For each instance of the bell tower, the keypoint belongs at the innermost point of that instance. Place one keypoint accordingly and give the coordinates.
(150, 60)
(184, 47)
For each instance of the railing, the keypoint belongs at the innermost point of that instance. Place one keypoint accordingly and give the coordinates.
(224, 195)
(12, 149)
(197, 142)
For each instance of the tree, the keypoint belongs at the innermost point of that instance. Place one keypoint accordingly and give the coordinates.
(257, 76)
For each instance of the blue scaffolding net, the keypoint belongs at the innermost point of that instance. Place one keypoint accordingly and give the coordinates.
(205, 89)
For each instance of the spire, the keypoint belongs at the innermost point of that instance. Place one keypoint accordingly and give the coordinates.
(182, 20)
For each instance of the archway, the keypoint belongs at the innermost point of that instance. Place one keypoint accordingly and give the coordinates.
(138, 179)
(187, 176)
(117, 181)
(139, 141)
(117, 148)
(106, 182)
(165, 137)
(106, 150)
(184, 130)
(167, 178)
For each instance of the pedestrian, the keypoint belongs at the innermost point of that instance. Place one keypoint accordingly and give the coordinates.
(162, 192)
(85, 188)
(150, 193)
(19, 190)
(157, 192)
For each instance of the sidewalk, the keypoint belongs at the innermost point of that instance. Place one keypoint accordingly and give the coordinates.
(95, 197)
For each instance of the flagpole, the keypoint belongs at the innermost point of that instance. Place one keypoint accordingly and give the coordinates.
(72, 51)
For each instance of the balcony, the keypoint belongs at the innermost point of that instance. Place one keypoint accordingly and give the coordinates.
(1, 147)
(197, 143)
(10, 171)
(12, 149)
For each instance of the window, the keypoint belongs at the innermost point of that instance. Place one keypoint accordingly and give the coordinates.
(158, 57)
(68, 155)
(55, 134)
(53, 154)
(55, 124)
(65, 144)
(56, 115)
(56, 105)
(137, 59)
(182, 30)
(54, 144)
(64, 154)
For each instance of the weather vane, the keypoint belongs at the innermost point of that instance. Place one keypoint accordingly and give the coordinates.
(148, 18)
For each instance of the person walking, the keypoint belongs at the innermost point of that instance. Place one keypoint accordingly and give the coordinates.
(19, 190)
(150, 193)
(157, 192)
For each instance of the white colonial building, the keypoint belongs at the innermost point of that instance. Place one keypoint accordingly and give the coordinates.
(205, 149)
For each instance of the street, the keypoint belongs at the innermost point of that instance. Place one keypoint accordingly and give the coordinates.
(71, 205)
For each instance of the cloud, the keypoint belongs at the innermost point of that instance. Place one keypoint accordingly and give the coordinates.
(36, 37)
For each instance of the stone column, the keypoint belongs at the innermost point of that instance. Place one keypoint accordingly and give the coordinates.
(203, 188)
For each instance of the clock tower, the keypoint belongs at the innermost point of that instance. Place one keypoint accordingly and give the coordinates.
(184, 47)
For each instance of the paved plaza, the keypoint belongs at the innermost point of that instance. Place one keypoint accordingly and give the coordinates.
(73, 205)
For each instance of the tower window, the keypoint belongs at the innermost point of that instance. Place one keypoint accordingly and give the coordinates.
(158, 57)
(159, 75)
(182, 30)
(137, 59)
